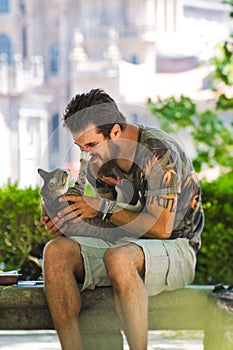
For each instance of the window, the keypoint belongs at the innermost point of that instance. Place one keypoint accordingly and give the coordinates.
(134, 59)
(135, 118)
(54, 59)
(24, 42)
(22, 7)
(5, 46)
(4, 6)
(54, 130)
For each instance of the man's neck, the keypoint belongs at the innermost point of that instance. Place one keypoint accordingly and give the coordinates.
(128, 145)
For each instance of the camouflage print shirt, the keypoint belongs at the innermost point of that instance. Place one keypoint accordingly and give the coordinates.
(160, 167)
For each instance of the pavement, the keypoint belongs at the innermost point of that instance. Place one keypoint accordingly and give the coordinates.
(48, 340)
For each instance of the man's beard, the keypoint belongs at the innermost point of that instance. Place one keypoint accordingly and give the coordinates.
(107, 162)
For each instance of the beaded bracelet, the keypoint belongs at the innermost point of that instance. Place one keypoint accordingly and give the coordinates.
(105, 210)
(108, 210)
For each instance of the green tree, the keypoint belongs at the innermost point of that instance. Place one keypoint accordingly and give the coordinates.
(215, 263)
(222, 69)
(213, 140)
(21, 236)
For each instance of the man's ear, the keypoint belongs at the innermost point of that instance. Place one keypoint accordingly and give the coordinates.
(115, 132)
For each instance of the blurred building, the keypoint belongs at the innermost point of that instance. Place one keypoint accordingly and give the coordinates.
(50, 50)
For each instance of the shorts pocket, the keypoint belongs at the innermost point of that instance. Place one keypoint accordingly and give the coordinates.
(182, 262)
(156, 274)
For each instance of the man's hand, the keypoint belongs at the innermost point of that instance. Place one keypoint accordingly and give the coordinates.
(82, 207)
(54, 226)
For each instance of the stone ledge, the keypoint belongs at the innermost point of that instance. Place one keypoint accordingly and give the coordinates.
(190, 308)
(27, 305)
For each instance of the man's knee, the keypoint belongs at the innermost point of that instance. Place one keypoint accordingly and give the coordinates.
(124, 260)
(115, 257)
(55, 247)
(62, 253)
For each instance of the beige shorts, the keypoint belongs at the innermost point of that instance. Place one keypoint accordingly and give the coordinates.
(169, 264)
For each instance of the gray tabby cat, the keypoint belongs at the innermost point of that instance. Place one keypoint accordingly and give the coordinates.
(56, 184)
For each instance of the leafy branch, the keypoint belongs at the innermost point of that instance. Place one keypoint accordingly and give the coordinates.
(212, 139)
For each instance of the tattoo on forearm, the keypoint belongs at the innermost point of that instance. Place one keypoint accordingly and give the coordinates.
(167, 203)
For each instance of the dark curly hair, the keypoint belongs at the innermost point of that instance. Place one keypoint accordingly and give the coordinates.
(94, 107)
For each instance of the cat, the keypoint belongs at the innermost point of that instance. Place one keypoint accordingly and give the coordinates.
(56, 184)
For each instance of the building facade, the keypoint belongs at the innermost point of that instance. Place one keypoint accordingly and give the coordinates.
(50, 50)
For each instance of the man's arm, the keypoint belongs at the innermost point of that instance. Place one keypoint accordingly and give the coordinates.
(155, 221)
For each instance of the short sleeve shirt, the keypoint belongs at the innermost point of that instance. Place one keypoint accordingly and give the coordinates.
(160, 167)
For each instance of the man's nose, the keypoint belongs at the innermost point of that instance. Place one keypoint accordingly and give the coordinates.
(87, 149)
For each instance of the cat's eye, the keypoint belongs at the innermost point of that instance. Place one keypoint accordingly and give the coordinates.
(64, 177)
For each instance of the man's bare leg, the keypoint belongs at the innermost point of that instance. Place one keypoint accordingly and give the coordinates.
(63, 265)
(125, 268)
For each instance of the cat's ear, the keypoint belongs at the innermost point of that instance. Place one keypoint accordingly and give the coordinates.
(42, 173)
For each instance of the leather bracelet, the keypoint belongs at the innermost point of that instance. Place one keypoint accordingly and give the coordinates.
(101, 210)
(109, 211)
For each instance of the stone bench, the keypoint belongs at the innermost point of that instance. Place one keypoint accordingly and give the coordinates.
(190, 308)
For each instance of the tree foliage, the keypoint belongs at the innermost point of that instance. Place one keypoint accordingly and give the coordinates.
(222, 68)
(215, 263)
(222, 62)
(213, 140)
(21, 235)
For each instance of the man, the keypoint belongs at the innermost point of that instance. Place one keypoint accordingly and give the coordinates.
(143, 225)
